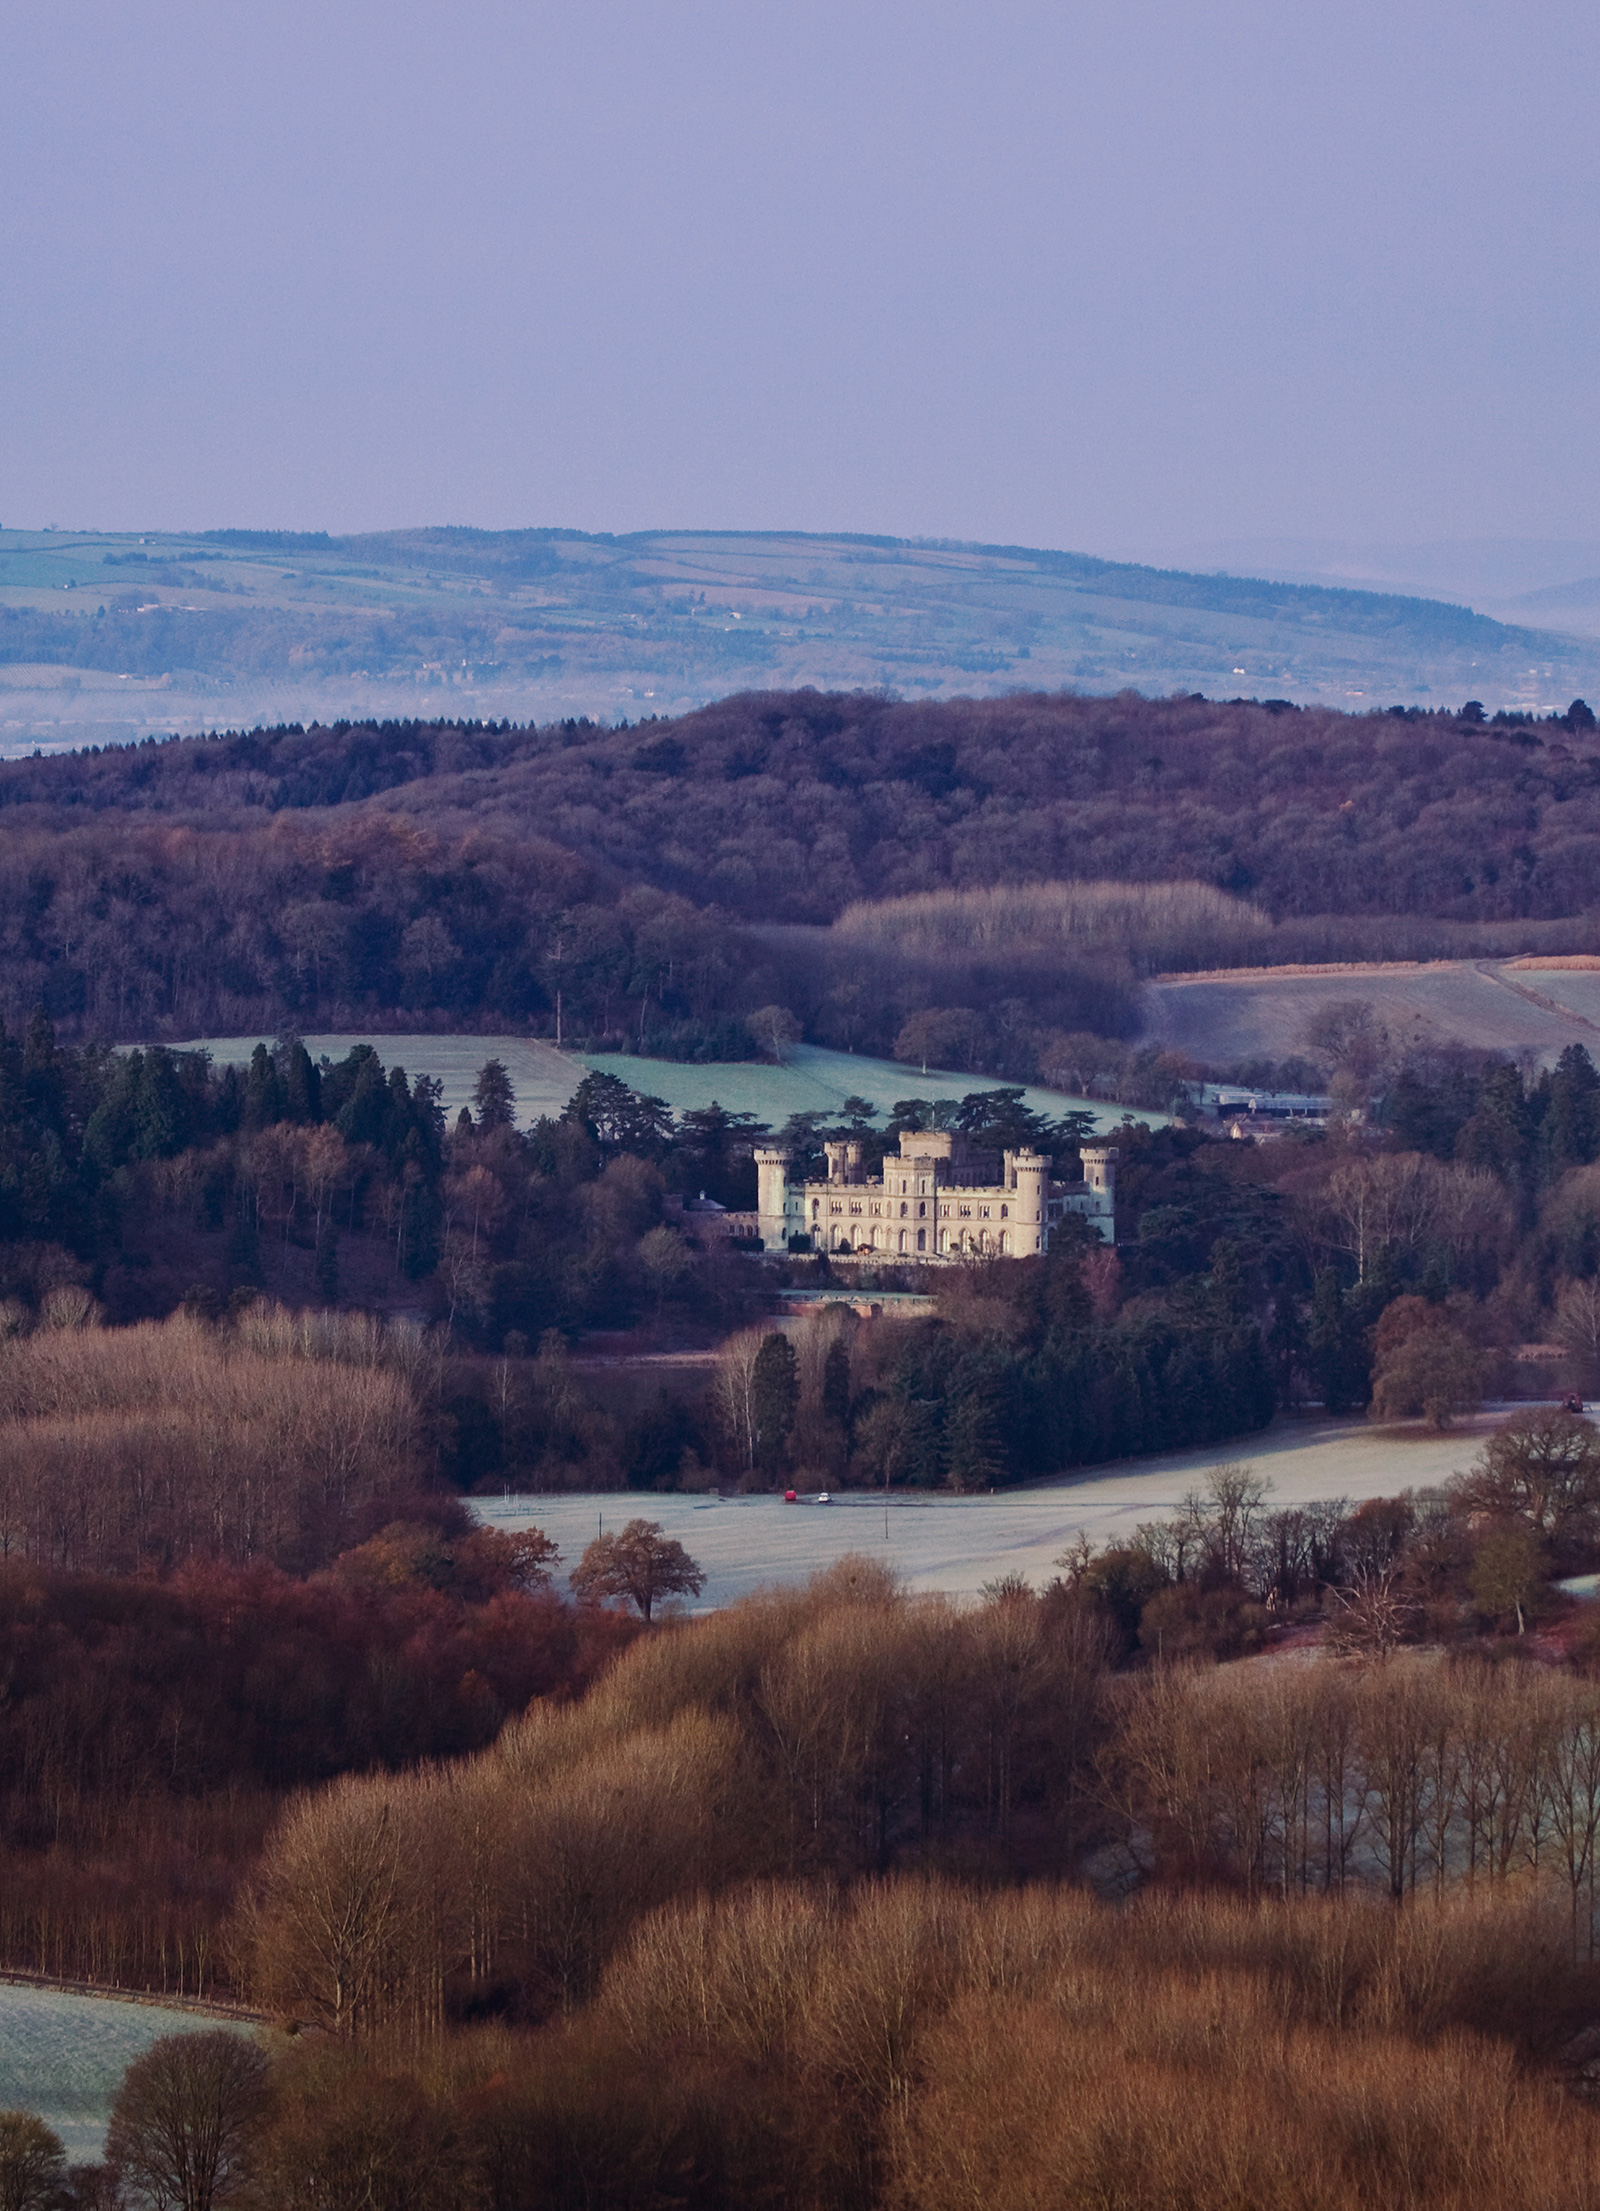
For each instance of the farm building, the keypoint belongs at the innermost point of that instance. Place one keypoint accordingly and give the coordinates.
(941, 1199)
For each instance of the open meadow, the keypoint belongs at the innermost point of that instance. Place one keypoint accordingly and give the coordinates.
(1531, 1005)
(809, 1081)
(63, 2055)
(954, 1545)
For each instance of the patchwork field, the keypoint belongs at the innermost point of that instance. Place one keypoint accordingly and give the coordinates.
(810, 1080)
(63, 2056)
(110, 637)
(955, 1544)
(1532, 1005)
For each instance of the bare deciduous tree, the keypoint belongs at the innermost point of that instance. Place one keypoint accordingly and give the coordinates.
(332, 1923)
(186, 2120)
(32, 2164)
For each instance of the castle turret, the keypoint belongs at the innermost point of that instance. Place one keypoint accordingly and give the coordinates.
(1028, 1173)
(1100, 1188)
(774, 1203)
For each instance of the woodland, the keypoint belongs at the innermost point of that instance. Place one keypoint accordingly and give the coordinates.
(550, 1893)
(654, 887)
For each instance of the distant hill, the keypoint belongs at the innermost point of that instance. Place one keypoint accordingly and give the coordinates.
(108, 637)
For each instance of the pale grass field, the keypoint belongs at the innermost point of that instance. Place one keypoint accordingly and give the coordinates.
(63, 2056)
(810, 1080)
(955, 1544)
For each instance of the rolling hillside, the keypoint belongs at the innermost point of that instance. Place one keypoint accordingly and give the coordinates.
(104, 637)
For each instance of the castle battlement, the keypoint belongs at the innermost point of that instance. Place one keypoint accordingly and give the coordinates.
(942, 1199)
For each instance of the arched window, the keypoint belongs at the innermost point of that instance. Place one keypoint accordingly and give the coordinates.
(1005, 1212)
(922, 1239)
(904, 1208)
(922, 1214)
(816, 1207)
(902, 1234)
(1005, 1241)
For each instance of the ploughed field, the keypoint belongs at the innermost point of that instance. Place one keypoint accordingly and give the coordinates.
(62, 2056)
(809, 1081)
(1530, 1005)
(955, 1544)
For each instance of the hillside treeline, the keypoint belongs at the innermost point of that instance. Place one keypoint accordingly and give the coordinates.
(916, 2044)
(791, 806)
(152, 1729)
(745, 1914)
(131, 1182)
(1400, 1266)
(844, 1731)
(145, 1446)
(147, 1179)
(454, 875)
(129, 929)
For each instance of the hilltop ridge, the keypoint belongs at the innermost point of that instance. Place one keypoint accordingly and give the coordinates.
(108, 637)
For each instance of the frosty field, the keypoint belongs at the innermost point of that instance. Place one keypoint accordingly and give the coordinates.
(1492, 1005)
(63, 2056)
(810, 1080)
(956, 1544)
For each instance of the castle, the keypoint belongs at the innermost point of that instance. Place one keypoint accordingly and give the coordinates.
(941, 1199)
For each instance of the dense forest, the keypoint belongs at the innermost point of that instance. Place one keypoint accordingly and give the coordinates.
(1399, 1258)
(816, 1901)
(838, 1898)
(465, 876)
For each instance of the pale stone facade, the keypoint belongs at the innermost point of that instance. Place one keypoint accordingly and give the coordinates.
(940, 1200)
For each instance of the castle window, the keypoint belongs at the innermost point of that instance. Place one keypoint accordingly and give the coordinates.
(983, 1212)
(816, 1207)
(922, 1214)
(1005, 1212)
(965, 1212)
(835, 1207)
(855, 1205)
(905, 1209)
(876, 1208)
(922, 1239)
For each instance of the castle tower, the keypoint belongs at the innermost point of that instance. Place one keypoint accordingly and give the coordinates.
(1031, 1171)
(1100, 1182)
(772, 1197)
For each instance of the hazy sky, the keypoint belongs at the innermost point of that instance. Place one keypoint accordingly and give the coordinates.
(1074, 274)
